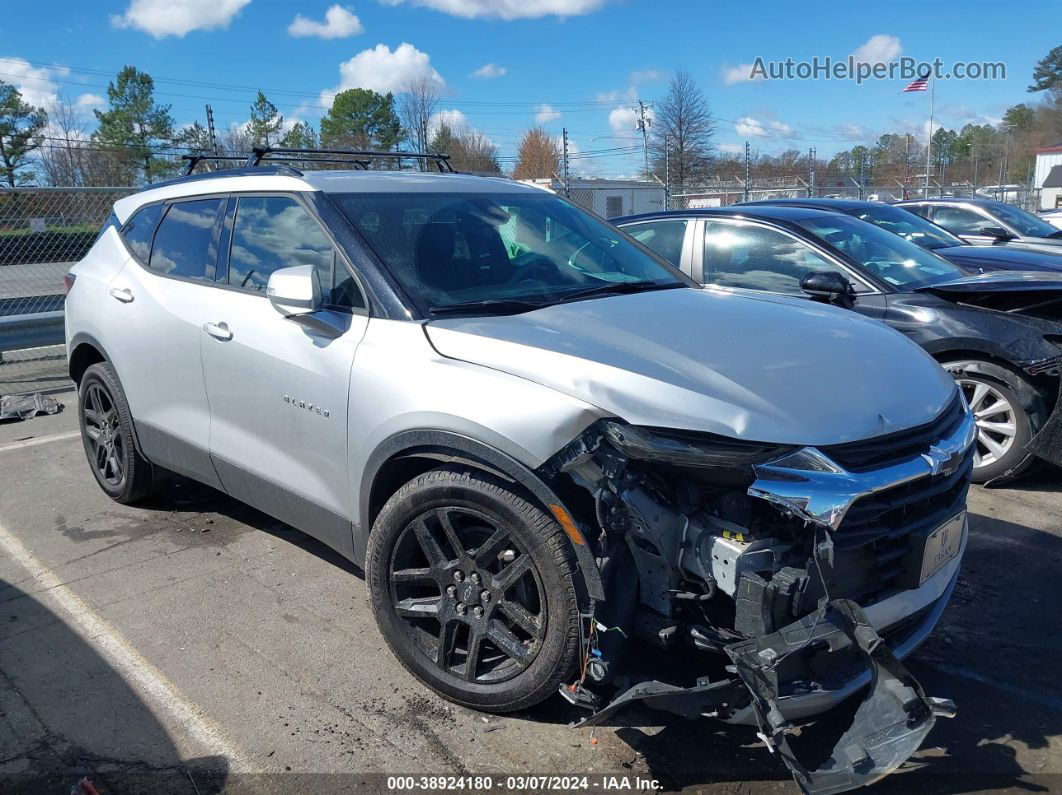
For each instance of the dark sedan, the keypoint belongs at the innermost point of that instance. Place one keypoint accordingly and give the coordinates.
(930, 236)
(999, 334)
(988, 223)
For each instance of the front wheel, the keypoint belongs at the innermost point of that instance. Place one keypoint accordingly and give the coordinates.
(1007, 409)
(473, 587)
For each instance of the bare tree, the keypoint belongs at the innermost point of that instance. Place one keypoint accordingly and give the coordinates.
(469, 151)
(684, 124)
(62, 152)
(416, 105)
(538, 156)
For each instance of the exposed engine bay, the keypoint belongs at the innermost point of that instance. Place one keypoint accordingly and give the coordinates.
(753, 563)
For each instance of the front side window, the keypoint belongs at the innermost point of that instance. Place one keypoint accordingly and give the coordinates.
(274, 232)
(909, 226)
(450, 250)
(889, 257)
(1025, 223)
(140, 229)
(663, 236)
(759, 258)
(959, 220)
(184, 242)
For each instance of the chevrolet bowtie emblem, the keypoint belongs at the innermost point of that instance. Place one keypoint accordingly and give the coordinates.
(942, 462)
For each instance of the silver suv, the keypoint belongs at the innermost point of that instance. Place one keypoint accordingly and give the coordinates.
(547, 448)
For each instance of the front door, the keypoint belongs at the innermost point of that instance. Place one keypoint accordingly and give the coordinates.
(278, 389)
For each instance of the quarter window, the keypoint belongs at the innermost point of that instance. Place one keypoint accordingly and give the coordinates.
(274, 232)
(184, 244)
(140, 229)
(758, 258)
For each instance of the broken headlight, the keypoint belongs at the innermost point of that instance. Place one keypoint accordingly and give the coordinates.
(690, 449)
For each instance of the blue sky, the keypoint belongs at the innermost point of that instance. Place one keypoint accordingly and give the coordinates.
(580, 64)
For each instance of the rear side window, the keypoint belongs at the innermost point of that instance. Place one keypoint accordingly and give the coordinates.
(664, 237)
(139, 230)
(185, 244)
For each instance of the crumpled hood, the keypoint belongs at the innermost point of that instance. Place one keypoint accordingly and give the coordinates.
(771, 369)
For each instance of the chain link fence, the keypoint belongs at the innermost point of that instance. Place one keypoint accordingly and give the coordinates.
(43, 231)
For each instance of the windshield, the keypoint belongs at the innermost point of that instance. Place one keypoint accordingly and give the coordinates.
(1025, 223)
(890, 257)
(908, 225)
(508, 252)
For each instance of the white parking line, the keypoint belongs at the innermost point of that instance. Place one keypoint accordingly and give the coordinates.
(112, 646)
(39, 440)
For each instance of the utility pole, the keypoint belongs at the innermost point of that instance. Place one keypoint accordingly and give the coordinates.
(567, 183)
(862, 166)
(811, 172)
(643, 123)
(974, 154)
(210, 128)
(906, 161)
(1006, 161)
(748, 157)
(667, 172)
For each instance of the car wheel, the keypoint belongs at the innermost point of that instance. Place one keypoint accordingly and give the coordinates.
(473, 587)
(107, 434)
(1007, 409)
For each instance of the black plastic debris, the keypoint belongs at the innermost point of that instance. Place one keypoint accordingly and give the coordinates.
(24, 407)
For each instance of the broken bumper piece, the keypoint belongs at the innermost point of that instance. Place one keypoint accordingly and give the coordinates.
(837, 642)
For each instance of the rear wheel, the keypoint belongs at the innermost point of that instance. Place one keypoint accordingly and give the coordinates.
(473, 588)
(1007, 409)
(107, 434)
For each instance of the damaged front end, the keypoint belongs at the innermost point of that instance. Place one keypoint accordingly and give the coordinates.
(781, 579)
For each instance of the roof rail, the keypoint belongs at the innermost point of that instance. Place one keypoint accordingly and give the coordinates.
(195, 160)
(362, 159)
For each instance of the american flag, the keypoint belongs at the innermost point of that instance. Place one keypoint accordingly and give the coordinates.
(921, 84)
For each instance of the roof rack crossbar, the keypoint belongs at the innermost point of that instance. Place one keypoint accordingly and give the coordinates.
(360, 157)
(195, 160)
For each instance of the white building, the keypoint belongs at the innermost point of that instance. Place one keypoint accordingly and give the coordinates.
(1047, 158)
(609, 198)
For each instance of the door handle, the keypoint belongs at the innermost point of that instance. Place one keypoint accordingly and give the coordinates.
(219, 331)
(123, 294)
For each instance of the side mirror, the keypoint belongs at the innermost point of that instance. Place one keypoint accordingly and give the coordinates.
(827, 286)
(294, 290)
(998, 232)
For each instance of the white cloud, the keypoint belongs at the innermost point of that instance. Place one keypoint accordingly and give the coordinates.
(754, 128)
(646, 76)
(742, 73)
(489, 71)
(507, 9)
(338, 23)
(629, 93)
(780, 127)
(36, 84)
(546, 114)
(381, 69)
(731, 149)
(452, 118)
(90, 101)
(163, 18)
(622, 120)
(881, 48)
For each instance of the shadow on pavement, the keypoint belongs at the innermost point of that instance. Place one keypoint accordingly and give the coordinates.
(65, 714)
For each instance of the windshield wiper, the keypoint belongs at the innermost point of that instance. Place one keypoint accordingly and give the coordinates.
(618, 288)
(493, 306)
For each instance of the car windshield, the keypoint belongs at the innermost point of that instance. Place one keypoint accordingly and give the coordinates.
(509, 252)
(890, 257)
(908, 225)
(1025, 223)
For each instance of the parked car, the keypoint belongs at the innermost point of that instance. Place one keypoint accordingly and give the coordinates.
(542, 443)
(930, 236)
(999, 334)
(1053, 217)
(1001, 193)
(989, 223)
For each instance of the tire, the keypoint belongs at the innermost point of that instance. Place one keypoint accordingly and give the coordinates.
(442, 541)
(107, 434)
(1011, 410)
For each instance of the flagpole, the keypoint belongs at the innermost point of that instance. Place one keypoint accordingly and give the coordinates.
(929, 142)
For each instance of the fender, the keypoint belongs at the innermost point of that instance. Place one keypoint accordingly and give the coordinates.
(444, 445)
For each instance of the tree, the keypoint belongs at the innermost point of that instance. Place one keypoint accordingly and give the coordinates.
(361, 119)
(1020, 118)
(21, 128)
(266, 122)
(469, 151)
(538, 156)
(135, 124)
(416, 106)
(1047, 76)
(301, 136)
(682, 133)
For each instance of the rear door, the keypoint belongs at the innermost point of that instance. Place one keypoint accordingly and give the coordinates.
(278, 389)
(155, 313)
(753, 256)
